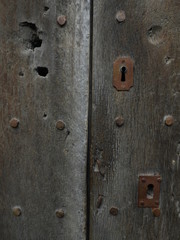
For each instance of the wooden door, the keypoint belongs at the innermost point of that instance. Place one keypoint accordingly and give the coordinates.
(147, 140)
(72, 146)
(44, 69)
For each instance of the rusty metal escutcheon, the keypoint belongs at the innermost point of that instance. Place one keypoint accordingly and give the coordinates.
(123, 73)
(149, 191)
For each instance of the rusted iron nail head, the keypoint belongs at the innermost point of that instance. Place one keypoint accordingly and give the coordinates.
(60, 125)
(119, 121)
(14, 122)
(114, 211)
(156, 212)
(169, 120)
(120, 16)
(59, 213)
(62, 20)
(16, 211)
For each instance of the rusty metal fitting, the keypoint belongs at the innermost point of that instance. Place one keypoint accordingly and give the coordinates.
(149, 191)
(119, 121)
(14, 122)
(156, 212)
(59, 213)
(159, 179)
(114, 211)
(169, 120)
(123, 68)
(16, 211)
(62, 20)
(120, 16)
(143, 180)
(60, 125)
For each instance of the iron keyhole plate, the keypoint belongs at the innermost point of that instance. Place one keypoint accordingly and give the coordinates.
(149, 191)
(123, 73)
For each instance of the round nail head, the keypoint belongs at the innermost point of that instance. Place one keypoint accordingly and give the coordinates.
(60, 125)
(114, 211)
(169, 120)
(14, 122)
(120, 16)
(143, 180)
(159, 180)
(62, 20)
(59, 213)
(119, 121)
(16, 211)
(156, 212)
(173, 162)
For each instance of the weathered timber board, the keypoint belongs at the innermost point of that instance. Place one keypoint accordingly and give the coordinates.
(150, 35)
(42, 168)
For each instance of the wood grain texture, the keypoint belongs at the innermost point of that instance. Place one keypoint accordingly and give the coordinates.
(42, 168)
(144, 144)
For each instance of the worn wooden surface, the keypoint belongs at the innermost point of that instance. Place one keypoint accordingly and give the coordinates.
(144, 144)
(42, 168)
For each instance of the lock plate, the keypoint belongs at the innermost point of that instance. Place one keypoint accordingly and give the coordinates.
(123, 73)
(149, 191)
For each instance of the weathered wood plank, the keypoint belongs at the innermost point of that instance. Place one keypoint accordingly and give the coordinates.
(42, 168)
(144, 144)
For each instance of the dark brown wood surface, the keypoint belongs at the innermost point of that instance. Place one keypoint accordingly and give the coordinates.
(42, 168)
(144, 144)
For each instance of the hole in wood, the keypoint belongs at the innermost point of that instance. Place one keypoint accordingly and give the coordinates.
(30, 35)
(21, 74)
(45, 116)
(150, 191)
(46, 9)
(42, 71)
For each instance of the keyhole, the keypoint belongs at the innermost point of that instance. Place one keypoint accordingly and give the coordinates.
(123, 70)
(150, 191)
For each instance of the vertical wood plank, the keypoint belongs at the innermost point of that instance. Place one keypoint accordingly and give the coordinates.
(144, 144)
(42, 168)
